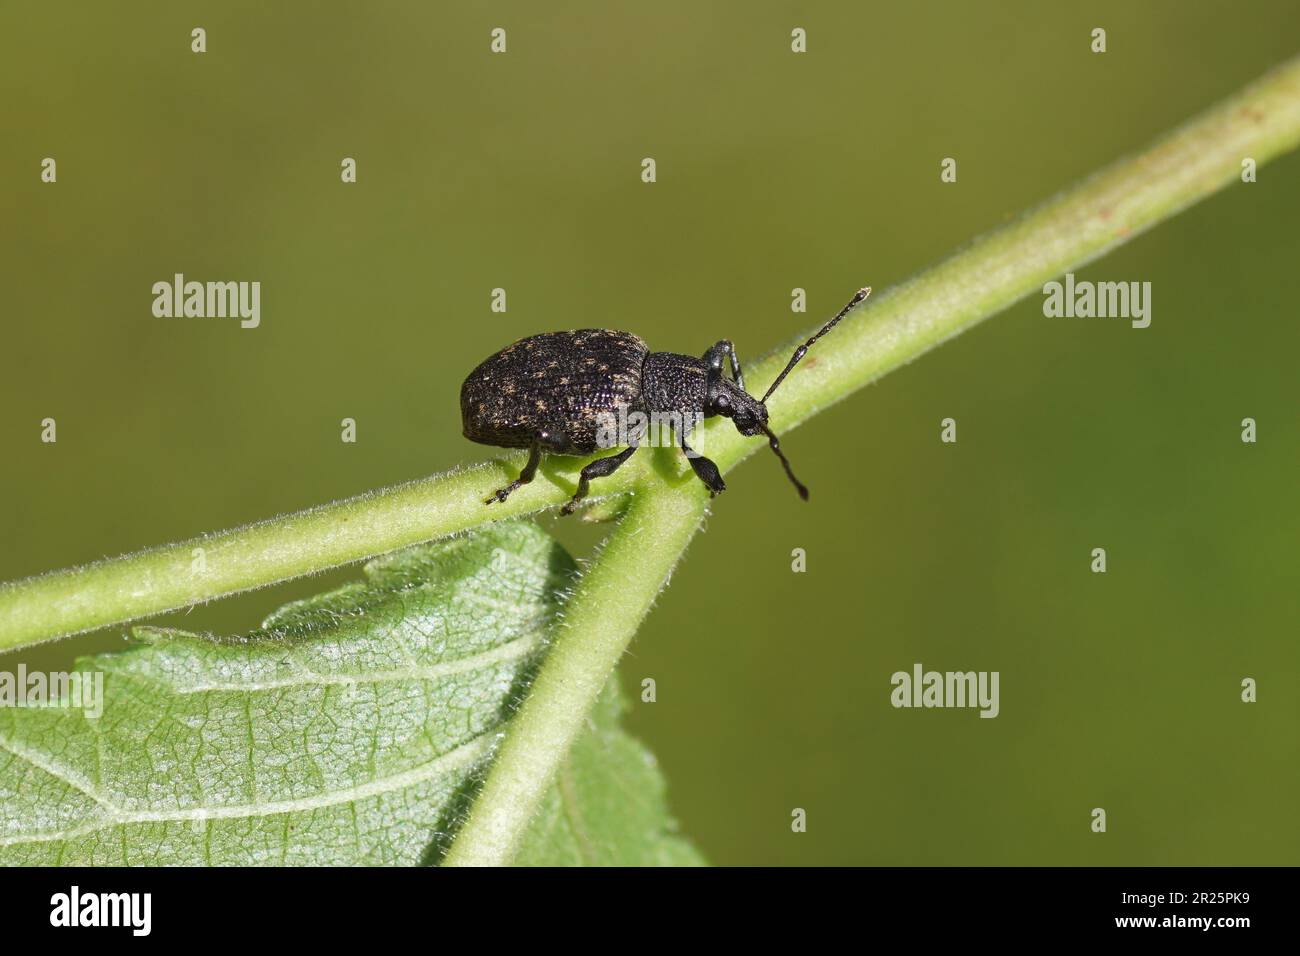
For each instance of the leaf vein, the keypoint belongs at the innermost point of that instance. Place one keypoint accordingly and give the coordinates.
(456, 759)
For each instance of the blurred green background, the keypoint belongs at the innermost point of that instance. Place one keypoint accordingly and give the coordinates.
(775, 170)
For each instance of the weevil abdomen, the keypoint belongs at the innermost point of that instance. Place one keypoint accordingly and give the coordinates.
(561, 382)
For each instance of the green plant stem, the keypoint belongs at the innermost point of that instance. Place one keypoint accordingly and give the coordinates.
(1260, 122)
(599, 621)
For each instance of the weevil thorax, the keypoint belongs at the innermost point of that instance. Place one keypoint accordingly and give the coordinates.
(672, 383)
(683, 384)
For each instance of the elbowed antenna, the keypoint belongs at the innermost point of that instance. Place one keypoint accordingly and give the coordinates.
(776, 447)
(802, 350)
(799, 353)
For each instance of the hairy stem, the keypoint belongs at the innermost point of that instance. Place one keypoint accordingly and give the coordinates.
(1111, 207)
(599, 622)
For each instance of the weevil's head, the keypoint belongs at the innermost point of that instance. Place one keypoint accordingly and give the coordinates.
(729, 400)
(749, 415)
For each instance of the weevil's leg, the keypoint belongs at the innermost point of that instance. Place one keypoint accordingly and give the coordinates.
(599, 468)
(704, 469)
(525, 476)
(724, 349)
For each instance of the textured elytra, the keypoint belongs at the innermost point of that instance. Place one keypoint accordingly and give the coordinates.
(350, 729)
(558, 382)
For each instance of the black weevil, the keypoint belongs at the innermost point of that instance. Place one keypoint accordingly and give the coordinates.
(559, 393)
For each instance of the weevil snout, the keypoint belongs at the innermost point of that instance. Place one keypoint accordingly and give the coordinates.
(752, 423)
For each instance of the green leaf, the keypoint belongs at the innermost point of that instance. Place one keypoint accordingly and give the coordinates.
(607, 807)
(352, 728)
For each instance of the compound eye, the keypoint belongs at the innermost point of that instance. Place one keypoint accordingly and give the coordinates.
(722, 403)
